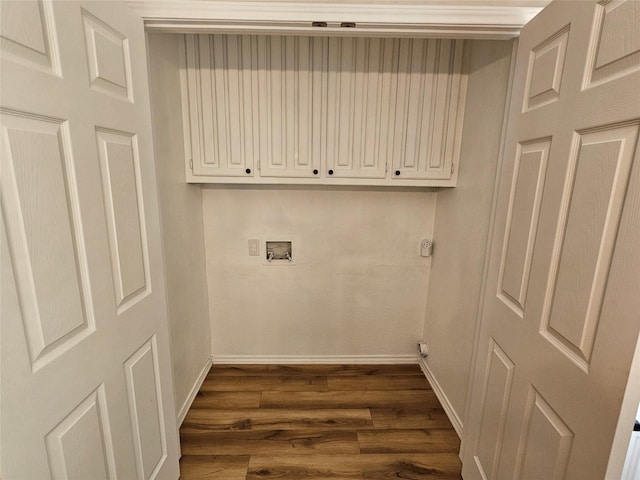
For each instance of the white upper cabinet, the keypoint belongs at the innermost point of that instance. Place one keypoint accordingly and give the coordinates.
(429, 104)
(220, 78)
(322, 110)
(289, 105)
(359, 106)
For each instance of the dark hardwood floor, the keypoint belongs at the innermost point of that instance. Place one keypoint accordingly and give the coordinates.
(294, 422)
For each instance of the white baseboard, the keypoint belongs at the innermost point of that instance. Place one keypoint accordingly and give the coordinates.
(442, 397)
(194, 391)
(311, 359)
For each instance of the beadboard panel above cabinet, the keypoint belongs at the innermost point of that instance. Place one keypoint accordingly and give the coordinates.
(322, 110)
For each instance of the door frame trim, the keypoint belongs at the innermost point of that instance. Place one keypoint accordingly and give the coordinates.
(499, 21)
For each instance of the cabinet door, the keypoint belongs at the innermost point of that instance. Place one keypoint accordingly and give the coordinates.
(430, 104)
(290, 83)
(360, 104)
(221, 79)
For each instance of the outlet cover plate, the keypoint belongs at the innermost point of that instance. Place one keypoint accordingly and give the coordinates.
(254, 247)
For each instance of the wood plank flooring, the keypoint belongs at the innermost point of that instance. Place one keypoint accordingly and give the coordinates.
(315, 422)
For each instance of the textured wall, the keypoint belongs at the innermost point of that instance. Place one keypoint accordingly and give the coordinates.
(358, 285)
(462, 225)
(181, 217)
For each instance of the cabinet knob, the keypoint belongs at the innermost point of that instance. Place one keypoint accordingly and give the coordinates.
(248, 170)
(330, 172)
(315, 171)
(397, 172)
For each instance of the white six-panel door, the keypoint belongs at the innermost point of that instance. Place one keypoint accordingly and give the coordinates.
(561, 319)
(86, 377)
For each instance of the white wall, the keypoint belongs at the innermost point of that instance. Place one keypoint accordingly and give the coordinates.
(182, 229)
(357, 289)
(462, 227)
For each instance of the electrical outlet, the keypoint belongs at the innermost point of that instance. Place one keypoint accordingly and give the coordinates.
(254, 247)
(426, 247)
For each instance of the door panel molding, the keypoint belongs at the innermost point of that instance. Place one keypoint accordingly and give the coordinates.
(496, 389)
(122, 195)
(584, 240)
(23, 42)
(146, 409)
(108, 57)
(527, 186)
(42, 211)
(611, 55)
(80, 438)
(544, 74)
(543, 427)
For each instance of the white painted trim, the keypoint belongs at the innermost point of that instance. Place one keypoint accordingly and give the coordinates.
(462, 20)
(194, 391)
(313, 359)
(442, 397)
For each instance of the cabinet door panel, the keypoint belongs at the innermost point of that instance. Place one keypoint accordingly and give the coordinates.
(220, 77)
(359, 89)
(430, 102)
(289, 104)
